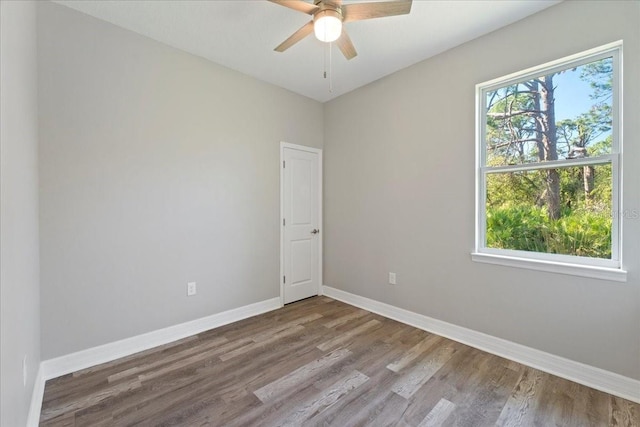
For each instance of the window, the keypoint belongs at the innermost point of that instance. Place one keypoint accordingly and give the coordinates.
(548, 167)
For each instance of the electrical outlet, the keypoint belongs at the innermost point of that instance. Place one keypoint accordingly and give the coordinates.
(392, 278)
(24, 370)
(191, 289)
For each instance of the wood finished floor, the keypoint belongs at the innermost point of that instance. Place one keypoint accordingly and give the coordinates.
(321, 362)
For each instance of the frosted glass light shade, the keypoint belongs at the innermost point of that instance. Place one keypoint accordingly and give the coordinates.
(327, 26)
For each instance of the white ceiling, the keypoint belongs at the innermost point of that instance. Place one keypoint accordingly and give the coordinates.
(241, 35)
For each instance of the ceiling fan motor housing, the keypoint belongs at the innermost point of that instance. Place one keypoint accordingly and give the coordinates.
(328, 10)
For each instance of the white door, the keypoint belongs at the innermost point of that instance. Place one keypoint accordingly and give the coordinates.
(301, 217)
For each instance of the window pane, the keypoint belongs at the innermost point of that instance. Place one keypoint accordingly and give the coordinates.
(563, 115)
(522, 212)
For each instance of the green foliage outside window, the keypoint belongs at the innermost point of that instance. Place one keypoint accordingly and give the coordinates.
(561, 210)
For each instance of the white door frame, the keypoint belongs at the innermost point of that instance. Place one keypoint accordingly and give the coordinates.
(318, 151)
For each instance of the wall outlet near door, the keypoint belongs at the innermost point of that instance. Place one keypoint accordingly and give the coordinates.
(191, 289)
(392, 278)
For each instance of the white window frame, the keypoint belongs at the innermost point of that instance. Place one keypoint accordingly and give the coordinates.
(610, 269)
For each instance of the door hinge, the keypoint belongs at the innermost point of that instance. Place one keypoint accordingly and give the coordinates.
(284, 222)
(284, 279)
(284, 164)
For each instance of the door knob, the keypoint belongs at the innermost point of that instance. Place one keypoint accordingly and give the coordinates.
(315, 231)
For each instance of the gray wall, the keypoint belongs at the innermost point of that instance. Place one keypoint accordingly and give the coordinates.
(399, 195)
(19, 269)
(156, 168)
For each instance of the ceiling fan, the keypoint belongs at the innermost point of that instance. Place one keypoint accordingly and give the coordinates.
(329, 15)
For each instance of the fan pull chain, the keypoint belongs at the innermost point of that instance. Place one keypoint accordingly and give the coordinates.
(324, 58)
(330, 71)
(328, 50)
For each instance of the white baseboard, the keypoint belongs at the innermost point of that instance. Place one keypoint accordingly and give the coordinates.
(37, 395)
(63, 365)
(609, 382)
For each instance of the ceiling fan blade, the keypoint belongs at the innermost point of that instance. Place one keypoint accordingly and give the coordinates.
(299, 5)
(361, 11)
(295, 37)
(346, 45)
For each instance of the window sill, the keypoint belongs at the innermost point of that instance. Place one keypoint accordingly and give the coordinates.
(603, 273)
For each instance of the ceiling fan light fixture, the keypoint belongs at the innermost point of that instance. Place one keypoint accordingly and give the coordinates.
(329, 15)
(327, 25)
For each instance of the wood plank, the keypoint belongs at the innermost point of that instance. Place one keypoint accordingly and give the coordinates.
(247, 378)
(64, 420)
(387, 409)
(368, 357)
(135, 357)
(89, 399)
(624, 412)
(256, 345)
(203, 349)
(492, 385)
(325, 400)
(417, 376)
(438, 415)
(344, 337)
(281, 328)
(206, 353)
(450, 383)
(361, 408)
(413, 353)
(521, 407)
(346, 318)
(300, 375)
